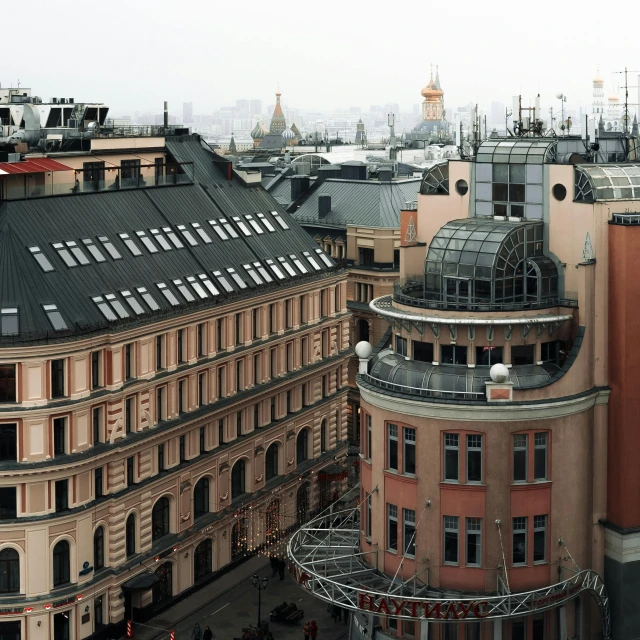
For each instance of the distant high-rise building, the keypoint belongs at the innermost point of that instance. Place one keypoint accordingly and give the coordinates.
(255, 107)
(242, 106)
(187, 112)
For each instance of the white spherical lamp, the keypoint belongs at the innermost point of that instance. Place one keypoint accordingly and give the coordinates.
(499, 372)
(364, 350)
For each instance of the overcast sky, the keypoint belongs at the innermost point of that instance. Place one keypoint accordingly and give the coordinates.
(323, 54)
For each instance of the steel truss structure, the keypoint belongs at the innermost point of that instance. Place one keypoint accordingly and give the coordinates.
(326, 559)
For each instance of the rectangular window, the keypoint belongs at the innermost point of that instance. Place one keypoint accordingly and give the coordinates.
(369, 436)
(474, 458)
(540, 456)
(488, 356)
(256, 416)
(131, 479)
(97, 478)
(401, 346)
(392, 527)
(274, 369)
(451, 539)
(221, 381)
(257, 368)
(304, 394)
(519, 549)
(203, 447)
(365, 257)
(453, 354)
(62, 495)
(160, 458)
(392, 446)
(7, 382)
(409, 451)
(303, 309)
(128, 415)
(239, 328)
(287, 314)
(409, 532)
(160, 411)
(520, 452)
(128, 361)
(540, 538)
(238, 424)
(220, 431)
(273, 410)
(201, 336)
(181, 345)
(57, 378)
(8, 442)
(289, 349)
(255, 323)
(451, 441)
(368, 524)
(95, 369)
(323, 303)
(518, 630)
(96, 425)
(474, 542)
(422, 351)
(272, 318)
(59, 436)
(159, 353)
(219, 334)
(202, 381)
(522, 354)
(239, 375)
(305, 350)
(181, 396)
(183, 448)
(289, 402)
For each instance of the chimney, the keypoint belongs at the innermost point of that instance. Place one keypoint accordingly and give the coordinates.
(166, 113)
(385, 174)
(299, 185)
(324, 204)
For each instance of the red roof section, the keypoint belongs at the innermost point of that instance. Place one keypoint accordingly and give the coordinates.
(35, 165)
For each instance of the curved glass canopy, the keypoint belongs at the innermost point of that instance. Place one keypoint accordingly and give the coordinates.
(518, 151)
(481, 261)
(607, 182)
(436, 180)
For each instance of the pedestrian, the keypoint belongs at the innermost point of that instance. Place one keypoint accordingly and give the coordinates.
(207, 635)
(306, 629)
(335, 613)
(196, 634)
(281, 567)
(313, 630)
(275, 565)
(345, 615)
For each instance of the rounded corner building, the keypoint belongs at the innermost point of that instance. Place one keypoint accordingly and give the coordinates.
(487, 509)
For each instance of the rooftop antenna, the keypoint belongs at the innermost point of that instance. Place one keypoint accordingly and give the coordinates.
(562, 99)
(625, 115)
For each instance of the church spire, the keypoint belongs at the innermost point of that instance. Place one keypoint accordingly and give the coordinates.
(438, 78)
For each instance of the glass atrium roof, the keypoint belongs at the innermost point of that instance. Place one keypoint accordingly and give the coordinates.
(518, 151)
(607, 182)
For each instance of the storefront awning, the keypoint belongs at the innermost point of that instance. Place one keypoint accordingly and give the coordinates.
(142, 581)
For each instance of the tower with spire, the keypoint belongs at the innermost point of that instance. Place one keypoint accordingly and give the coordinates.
(278, 122)
(433, 105)
(598, 96)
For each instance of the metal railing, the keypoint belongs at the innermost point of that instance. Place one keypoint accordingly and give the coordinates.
(412, 295)
(421, 391)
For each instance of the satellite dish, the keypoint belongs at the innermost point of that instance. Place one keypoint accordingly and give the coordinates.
(560, 96)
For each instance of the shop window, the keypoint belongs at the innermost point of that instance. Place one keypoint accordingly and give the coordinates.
(453, 354)
(422, 351)
(488, 356)
(7, 383)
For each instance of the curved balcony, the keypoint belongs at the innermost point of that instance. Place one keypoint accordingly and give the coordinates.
(327, 561)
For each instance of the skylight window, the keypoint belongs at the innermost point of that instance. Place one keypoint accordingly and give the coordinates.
(252, 273)
(183, 289)
(67, 258)
(188, 236)
(280, 220)
(276, 269)
(324, 257)
(107, 311)
(55, 318)
(242, 225)
(93, 250)
(131, 245)
(223, 281)
(148, 298)
(266, 222)
(298, 262)
(218, 229)
(147, 242)
(41, 259)
(132, 302)
(312, 261)
(238, 280)
(9, 321)
(207, 283)
(199, 289)
(77, 252)
(287, 266)
(263, 272)
(177, 243)
(117, 305)
(168, 294)
(161, 240)
(253, 223)
(108, 245)
(230, 230)
(201, 232)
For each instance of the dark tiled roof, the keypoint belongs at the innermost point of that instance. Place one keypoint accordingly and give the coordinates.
(73, 218)
(365, 202)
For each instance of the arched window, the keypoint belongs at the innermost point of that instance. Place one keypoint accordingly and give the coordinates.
(302, 446)
(61, 564)
(271, 461)
(98, 549)
(9, 571)
(163, 589)
(238, 479)
(131, 535)
(323, 436)
(160, 519)
(239, 537)
(272, 522)
(202, 559)
(302, 502)
(201, 498)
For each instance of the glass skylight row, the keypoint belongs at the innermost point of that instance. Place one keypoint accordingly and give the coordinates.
(243, 227)
(41, 259)
(280, 220)
(55, 317)
(9, 321)
(266, 222)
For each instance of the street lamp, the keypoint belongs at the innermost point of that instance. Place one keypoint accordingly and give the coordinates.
(260, 584)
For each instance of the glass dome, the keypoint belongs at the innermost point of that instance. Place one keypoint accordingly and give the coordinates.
(483, 261)
(607, 182)
(517, 151)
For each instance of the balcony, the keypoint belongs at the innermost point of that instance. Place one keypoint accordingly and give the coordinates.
(24, 186)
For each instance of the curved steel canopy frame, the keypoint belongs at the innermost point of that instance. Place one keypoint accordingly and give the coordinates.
(326, 560)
